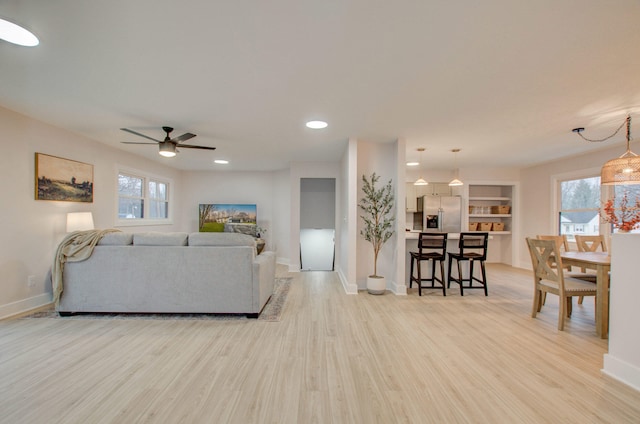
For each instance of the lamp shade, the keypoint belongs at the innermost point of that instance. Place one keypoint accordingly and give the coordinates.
(621, 171)
(79, 221)
(420, 181)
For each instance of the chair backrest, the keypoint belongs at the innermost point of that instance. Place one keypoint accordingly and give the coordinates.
(475, 243)
(561, 241)
(591, 243)
(433, 242)
(546, 262)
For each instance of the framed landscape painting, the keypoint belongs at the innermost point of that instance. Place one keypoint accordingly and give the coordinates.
(221, 217)
(63, 179)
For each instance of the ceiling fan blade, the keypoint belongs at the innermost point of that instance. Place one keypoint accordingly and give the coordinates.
(189, 146)
(140, 135)
(134, 142)
(183, 137)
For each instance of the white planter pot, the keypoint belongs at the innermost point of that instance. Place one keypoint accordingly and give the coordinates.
(376, 284)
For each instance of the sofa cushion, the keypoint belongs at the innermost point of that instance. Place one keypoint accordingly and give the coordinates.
(116, 239)
(160, 239)
(221, 239)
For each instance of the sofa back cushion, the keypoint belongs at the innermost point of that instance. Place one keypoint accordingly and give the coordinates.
(160, 239)
(221, 239)
(116, 239)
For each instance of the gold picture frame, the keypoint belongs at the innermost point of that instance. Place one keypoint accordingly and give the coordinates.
(63, 179)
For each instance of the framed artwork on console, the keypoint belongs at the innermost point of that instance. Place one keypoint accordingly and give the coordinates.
(62, 179)
(229, 217)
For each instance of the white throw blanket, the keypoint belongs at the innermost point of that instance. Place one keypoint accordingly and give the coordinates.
(75, 247)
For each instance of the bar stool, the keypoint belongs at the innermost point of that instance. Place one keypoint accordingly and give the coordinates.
(473, 248)
(431, 247)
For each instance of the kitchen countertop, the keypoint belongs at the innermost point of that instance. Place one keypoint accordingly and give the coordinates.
(413, 235)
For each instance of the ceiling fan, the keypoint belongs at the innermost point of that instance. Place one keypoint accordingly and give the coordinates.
(168, 145)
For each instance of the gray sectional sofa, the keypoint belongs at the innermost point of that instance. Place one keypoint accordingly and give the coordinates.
(170, 273)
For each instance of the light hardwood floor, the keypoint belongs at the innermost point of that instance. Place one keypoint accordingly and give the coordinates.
(333, 358)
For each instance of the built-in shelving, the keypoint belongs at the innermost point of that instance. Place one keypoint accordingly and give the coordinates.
(481, 200)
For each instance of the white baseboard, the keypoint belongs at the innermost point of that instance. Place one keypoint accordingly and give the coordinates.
(622, 371)
(24, 305)
(282, 261)
(348, 288)
(399, 289)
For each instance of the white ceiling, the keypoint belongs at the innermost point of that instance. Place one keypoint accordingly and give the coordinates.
(503, 80)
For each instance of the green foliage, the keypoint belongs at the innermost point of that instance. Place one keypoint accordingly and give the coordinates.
(581, 194)
(376, 206)
(212, 227)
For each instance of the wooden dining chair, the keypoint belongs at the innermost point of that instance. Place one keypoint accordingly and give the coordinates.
(589, 244)
(431, 247)
(549, 277)
(561, 243)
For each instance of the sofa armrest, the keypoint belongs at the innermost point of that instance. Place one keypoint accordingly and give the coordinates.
(264, 275)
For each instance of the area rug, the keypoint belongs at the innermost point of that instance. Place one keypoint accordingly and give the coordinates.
(272, 311)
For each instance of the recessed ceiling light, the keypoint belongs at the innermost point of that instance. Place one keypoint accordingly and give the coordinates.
(17, 35)
(316, 125)
(221, 161)
(413, 163)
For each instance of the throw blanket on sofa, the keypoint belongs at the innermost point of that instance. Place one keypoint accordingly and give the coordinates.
(75, 247)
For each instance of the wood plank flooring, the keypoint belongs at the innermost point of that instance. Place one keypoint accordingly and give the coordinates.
(333, 358)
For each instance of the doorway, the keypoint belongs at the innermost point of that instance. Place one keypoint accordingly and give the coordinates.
(317, 224)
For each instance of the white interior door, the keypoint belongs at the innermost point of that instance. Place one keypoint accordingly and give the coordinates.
(317, 249)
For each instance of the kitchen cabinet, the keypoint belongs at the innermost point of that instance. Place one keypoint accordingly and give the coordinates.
(432, 189)
(411, 200)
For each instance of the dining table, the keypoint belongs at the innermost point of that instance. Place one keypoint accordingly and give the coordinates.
(601, 263)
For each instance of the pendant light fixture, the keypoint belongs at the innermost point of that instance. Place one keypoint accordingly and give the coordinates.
(421, 181)
(456, 181)
(624, 170)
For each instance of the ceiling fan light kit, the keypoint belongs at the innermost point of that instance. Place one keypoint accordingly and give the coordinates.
(168, 146)
(167, 149)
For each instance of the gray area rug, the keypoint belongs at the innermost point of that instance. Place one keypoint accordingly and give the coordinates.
(272, 311)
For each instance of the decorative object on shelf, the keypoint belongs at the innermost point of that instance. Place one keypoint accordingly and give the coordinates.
(79, 221)
(63, 179)
(622, 215)
(421, 181)
(620, 171)
(260, 231)
(456, 181)
(376, 205)
(501, 209)
(260, 243)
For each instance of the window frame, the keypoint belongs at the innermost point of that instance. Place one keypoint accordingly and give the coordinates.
(146, 197)
(605, 193)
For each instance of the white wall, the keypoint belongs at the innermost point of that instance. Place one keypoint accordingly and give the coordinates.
(623, 359)
(281, 233)
(31, 229)
(230, 187)
(380, 158)
(346, 239)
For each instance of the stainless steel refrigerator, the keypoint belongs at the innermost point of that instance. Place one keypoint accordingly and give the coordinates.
(441, 214)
